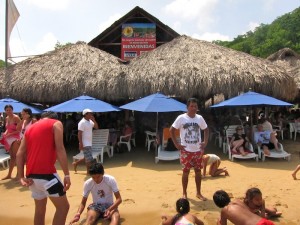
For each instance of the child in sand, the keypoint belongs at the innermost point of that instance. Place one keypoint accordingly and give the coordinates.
(236, 211)
(238, 141)
(183, 216)
(295, 172)
(214, 162)
(256, 204)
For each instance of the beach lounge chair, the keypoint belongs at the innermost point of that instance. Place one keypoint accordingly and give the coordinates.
(296, 129)
(164, 153)
(99, 146)
(281, 153)
(4, 158)
(230, 130)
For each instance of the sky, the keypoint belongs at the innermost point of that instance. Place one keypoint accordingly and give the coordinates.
(43, 23)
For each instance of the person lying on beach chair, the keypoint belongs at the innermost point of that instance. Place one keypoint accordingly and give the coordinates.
(183, 216)
(256, 204)
(236, 211)
(238, 141)
(266, 139)
(214, 162)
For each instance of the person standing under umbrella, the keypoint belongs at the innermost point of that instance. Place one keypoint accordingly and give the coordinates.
(191, 147)
(85, 137)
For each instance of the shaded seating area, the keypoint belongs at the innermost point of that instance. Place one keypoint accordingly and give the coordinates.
(164, 153)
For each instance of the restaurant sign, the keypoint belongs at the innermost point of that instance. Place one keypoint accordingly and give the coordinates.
(137, 38)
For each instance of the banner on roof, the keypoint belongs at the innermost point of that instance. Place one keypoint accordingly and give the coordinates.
(137, 38)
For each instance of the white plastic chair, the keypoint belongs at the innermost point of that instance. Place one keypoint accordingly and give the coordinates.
(296, 129)
(125, 139)
(150, 138)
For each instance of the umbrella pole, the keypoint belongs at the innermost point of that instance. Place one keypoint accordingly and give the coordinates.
(156, 152)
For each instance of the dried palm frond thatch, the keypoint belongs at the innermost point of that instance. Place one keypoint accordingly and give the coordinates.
(289, 59)
(63, 74)
(188, 67)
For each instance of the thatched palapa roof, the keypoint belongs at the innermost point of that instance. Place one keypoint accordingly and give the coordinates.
(289, 59)
(64, 74)
(188, 67)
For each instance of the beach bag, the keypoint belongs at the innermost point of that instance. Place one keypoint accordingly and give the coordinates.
(170, 145)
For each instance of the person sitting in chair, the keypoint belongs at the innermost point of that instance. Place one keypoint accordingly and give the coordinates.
(266, 139)
(238, 141)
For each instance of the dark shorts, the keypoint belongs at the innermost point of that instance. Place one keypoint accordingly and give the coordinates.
(191, 159)
(88, 155)
(99, 208)
(270, 145)
(46, 185)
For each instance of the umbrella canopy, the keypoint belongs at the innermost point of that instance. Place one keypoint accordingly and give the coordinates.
(155, 103)
(252, 99)
(188, 67)
(80, 103)
(18, 106)
(63, 74)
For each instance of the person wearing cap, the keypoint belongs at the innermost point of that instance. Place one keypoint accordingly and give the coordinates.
(41, 146)
(85, 136)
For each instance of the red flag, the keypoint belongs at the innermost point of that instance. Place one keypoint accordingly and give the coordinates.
(12, 17)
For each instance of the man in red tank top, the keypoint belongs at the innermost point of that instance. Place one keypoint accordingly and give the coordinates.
(41, 146)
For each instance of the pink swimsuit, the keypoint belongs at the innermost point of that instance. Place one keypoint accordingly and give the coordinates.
(7, 141)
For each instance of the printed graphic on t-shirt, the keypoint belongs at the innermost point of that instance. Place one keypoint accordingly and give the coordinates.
(101, 193)
(191, 133)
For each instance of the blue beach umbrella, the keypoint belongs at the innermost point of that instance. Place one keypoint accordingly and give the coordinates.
(80, 103)
(155, 103)
(251, 98)
(18, 106)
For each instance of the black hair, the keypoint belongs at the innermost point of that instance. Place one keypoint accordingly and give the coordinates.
(221, 198)
(96, 168)
(28, 111)
(182, 208)
(8, 106)
(251, 193)
(50, 115)
(191, 100)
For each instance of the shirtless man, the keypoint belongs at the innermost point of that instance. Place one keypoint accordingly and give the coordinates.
(236, 211)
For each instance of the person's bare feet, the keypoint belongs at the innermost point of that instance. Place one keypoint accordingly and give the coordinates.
(6, 178)
(201, 197)
(294, 176)
(184, 196)
(75, 166)
(226, 173)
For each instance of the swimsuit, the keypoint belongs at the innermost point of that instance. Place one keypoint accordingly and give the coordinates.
(7, 141)
(184, 221)
(264, 221)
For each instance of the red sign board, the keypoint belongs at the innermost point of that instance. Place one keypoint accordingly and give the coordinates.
(137, 38)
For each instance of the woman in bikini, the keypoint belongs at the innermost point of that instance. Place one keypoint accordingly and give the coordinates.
(10, 137)
(214, 162)
(183, 217)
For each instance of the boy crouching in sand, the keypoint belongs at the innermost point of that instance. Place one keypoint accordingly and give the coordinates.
(102, 187)
(256, 204)
(236, 211)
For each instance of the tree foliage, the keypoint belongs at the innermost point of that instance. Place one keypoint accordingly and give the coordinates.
(284, 32)
(58, 45)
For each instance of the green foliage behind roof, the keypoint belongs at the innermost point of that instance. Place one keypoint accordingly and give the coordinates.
(284, 32)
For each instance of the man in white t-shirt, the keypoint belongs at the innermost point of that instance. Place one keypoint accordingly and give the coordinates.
(266, 139)
(103, 188)
(191, 147)
(85, 137)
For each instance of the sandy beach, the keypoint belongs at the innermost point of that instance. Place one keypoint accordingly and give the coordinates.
(149, 190)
